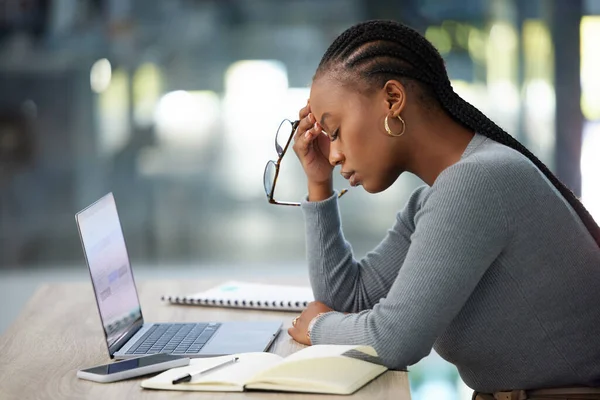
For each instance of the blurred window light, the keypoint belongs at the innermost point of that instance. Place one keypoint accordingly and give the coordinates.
(113, 103)
(440, 38)
(147, 85)
(477, 44)
(255, 98)
(503, 35)
(505, 103)
(462, 35)
(294, 97)
(538, 51)
(435, 389)
(100, 75)
(590, 169)
(502, 69)
(590, 65)
(463, 392)
(539, 116)
(458, 32)
(539, 98)
(502, 53)
(186, 119)
(474, 93)
(255, 76)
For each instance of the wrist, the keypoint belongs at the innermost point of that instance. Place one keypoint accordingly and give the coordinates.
(311, 325)
(320, 191)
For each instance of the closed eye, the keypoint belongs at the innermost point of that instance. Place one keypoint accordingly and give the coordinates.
(334, 135)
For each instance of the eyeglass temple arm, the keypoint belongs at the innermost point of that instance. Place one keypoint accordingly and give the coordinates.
(287, 144)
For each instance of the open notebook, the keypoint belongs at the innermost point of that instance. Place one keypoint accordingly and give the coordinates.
(249, 295)
(331, 369)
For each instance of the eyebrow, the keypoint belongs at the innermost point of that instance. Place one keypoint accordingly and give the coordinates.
(323, 118)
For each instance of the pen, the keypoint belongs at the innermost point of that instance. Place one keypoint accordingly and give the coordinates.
(188, 377)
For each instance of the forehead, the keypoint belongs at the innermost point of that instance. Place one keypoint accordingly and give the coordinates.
(329, 95)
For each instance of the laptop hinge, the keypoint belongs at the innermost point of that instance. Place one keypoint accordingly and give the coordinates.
(137, 325)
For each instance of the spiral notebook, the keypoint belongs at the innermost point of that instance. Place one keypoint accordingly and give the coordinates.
(249, 295)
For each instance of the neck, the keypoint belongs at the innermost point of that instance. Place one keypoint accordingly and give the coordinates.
(438, 144)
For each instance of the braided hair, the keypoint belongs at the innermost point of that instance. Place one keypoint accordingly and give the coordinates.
(381, 50)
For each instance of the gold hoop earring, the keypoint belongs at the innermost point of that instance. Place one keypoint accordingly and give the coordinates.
(389, 131)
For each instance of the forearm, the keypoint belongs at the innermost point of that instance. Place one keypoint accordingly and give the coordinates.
(396, 348)
(339, 280)
(332, 270)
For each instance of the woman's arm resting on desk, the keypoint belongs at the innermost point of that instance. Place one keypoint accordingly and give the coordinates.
(299, 329)
(339, 280)
(461, 229)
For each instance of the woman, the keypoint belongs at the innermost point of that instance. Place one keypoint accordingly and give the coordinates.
(494, 263)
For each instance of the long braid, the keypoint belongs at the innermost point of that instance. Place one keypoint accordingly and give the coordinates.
(382, 50)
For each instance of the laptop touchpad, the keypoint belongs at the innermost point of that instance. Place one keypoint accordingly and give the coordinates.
(241, 337)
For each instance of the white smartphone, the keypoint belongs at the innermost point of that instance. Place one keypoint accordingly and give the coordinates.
(132, 367)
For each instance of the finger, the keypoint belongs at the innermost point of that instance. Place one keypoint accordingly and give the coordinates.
(313, 133)
(317, 129)
(304, 125)
(297, 336)
(305, 142)
(300, 143)
(304, 111)
(292, 332)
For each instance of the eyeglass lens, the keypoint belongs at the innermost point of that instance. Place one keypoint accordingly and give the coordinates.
(269, 177)
(282, 136)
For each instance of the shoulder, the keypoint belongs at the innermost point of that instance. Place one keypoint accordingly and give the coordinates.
(490, 167)
(492, 179)
(473, 192)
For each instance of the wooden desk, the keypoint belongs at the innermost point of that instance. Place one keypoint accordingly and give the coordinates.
(59, 332)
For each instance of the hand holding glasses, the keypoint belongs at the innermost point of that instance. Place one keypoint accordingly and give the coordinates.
(283, 138)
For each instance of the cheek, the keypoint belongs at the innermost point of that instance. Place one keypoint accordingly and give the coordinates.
(381, 171)
(363, 156)
(376, 154)
(362, 145)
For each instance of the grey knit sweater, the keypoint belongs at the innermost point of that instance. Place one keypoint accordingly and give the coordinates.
(489, 266)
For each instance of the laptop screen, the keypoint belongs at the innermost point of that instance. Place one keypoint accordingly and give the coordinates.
(110, 270)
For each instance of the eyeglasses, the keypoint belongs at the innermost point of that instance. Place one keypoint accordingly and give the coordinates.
(283, 138)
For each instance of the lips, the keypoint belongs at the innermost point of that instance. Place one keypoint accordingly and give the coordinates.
(347, 175)
(351, 176)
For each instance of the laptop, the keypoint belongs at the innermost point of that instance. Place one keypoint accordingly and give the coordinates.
(127, 334)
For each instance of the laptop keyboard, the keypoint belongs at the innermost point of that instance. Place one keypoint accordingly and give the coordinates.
(174, 338)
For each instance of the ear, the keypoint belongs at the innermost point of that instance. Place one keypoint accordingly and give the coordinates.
(395, 96)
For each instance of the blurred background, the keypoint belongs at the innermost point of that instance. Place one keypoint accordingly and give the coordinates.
(173, 105)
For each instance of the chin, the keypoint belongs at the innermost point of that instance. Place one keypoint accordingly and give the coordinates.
(373, 188)
(378, 186)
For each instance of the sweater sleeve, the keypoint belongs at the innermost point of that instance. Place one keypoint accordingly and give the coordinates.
(460, 230)
(337, 279)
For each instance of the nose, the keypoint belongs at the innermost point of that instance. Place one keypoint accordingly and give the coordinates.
(335, 156)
